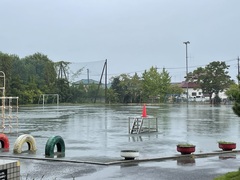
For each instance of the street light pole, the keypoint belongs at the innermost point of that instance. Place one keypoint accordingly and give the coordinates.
(186, 43)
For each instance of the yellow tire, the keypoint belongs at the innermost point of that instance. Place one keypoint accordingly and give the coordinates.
(25, 138)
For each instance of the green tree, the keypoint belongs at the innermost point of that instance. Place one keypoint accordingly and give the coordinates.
(115, 89)
(125, 84)
(112, 96)
(165, 83)
(236, 106)
(41, 69)
(213, 78)
(135, 88)
(16, 86)
(37, 76)
(234, 94)
(175, 89)
(155, 84)
(125, 89)
(121, 85)
(92, 92)
(63, 89)
(7, 66)
(77, 93)
(151, 81)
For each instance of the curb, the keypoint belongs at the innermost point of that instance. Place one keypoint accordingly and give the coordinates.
(203, 155)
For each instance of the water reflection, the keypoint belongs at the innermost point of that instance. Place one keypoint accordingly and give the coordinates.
(143, 137)
(207, 120)
(135, 138)
(57, 155)
(127, 165)
(186, 161)
(99, 130)
(228, 156)
(4, 149)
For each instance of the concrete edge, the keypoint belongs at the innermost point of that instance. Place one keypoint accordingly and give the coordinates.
(201, 155)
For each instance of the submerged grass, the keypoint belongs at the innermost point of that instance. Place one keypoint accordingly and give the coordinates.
(235, 175)
(226, 142)
(185, 145)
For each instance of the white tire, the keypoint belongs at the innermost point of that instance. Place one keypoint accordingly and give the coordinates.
(25, 138)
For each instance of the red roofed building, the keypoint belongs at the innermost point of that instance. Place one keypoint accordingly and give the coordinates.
(194, 91)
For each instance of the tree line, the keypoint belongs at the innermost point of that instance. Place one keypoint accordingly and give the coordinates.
(151, 86)
(30, 77)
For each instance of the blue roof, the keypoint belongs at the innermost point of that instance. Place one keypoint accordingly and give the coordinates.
(86, 81)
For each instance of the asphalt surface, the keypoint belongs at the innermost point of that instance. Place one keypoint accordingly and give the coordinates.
(95, 135)
(193, 167)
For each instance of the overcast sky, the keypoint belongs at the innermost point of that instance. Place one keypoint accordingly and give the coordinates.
(133, 35)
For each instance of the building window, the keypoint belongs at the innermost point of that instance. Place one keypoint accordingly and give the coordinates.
(199, 93)
(194, 93)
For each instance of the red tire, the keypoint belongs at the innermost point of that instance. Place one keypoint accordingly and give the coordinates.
(4, 141)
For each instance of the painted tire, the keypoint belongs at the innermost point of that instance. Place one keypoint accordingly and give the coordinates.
(25, 138)
(4, 141)
(52, 141)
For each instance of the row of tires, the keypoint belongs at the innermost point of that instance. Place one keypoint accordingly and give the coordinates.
(29, 139)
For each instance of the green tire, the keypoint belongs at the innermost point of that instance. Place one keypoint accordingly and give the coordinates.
(51, 143)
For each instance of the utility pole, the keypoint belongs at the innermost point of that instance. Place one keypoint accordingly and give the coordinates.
(186, 43)
(100, 82)
(88, 76)
(238, 70)
(106, 81)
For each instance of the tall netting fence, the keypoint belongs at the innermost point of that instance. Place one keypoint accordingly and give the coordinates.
(87, 79)
(91, 71)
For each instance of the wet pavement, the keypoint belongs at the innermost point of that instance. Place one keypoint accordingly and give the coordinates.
(182, 168)
(95, 135)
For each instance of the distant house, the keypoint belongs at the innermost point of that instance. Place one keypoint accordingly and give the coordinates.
(194, 91)
(86, 82)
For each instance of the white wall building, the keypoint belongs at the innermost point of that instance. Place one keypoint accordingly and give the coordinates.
(196, 94)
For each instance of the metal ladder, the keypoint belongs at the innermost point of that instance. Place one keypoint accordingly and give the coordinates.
(137, 125)
(7, 107)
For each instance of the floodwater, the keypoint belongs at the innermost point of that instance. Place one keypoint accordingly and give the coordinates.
(93, 132)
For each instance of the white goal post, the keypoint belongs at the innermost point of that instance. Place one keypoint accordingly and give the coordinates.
(44, 98)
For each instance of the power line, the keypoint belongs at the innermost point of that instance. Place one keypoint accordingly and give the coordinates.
(198, 65)
(174, 68)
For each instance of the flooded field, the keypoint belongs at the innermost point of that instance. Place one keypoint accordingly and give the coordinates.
(93, 132)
